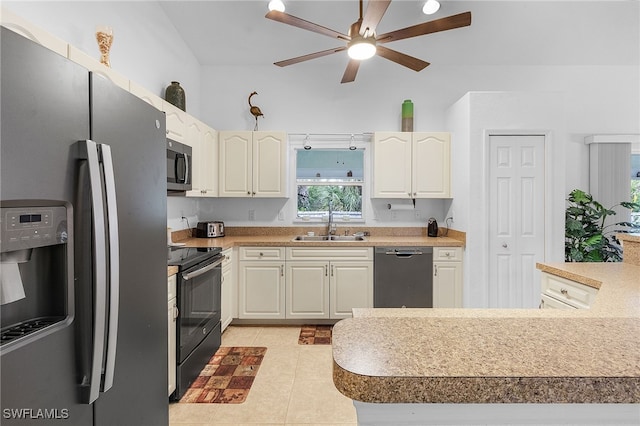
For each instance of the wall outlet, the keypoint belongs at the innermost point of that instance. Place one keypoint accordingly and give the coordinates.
(394, 215)
(281, 215)
(252, 215)
(418, 215)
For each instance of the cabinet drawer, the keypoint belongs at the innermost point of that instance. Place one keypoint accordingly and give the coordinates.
(551, 303)
(228, 258)
(329, 253)
(567, 291)
(171, 287)
(261, 253)
(447, 253)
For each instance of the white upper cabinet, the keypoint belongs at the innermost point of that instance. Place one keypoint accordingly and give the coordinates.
(26, 29)
(203, 141)
(146, 95)
(252, 164)
(411, 165)
(176, 123)
(94, 65)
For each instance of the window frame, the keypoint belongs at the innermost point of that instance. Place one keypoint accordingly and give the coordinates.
(332, 143)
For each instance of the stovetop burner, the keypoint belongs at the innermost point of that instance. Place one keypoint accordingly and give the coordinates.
(186, 257)
(25, 328)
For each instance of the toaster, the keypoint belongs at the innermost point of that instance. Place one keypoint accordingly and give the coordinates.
(211, 229)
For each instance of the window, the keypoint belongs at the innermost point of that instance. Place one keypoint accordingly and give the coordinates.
(329, 178)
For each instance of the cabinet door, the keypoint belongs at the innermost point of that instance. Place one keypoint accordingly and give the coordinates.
(26, 29)
(235, 164)
(171, 318)
(391, 165)
(431, 165)
(176, 123)
(146, 95)
(262, 292)
(351, 287)
(307, 290)
(94, 65)
(195, 133)
(227, 297)
(209, 162)
(269, 164)
(447, 284)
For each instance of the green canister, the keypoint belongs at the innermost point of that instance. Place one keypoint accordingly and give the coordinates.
(407, 116)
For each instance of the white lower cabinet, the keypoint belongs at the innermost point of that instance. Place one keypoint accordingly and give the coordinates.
(447, 277)
(228, 309)
(307, 291)
(351, 287)
(562, 293)
(172, 315)
(261, 283)
(327, 283)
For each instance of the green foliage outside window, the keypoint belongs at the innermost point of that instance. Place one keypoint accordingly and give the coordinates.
(316, 198)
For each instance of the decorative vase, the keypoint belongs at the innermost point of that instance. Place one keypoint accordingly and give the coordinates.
(175, 95)
(104, 37)
(407, 116)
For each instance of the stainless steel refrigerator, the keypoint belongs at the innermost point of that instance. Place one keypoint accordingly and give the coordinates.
(83, 250)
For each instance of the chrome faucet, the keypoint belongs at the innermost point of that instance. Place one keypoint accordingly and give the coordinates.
(331, 227)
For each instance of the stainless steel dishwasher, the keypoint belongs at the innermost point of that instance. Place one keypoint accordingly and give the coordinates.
(403, 277)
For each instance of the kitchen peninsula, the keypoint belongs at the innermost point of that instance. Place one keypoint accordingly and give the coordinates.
(429, 366)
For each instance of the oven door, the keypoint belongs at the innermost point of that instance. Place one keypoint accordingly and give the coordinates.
(178, 166)
(199, 302)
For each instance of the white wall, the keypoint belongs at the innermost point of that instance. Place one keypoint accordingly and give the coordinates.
(472, 118)
(308, 97)
(146, 47)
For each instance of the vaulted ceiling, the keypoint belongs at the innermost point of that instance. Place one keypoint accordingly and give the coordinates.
(511, 32)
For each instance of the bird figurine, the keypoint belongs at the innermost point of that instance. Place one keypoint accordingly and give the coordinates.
(255, 111)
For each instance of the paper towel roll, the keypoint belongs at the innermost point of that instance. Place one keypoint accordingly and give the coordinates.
(11, 288)
(400, 206)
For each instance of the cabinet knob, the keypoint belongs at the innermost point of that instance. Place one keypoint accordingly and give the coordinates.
(564, 291)
(505, 245)
(248, 192)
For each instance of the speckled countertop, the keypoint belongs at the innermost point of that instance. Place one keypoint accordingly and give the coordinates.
(283, 236)
(499, 355)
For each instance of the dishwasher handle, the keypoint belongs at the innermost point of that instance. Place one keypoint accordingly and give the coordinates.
(404, 253)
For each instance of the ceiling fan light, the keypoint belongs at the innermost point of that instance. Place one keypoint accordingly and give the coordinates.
(431, 7)
(276, 5)
(361, 49)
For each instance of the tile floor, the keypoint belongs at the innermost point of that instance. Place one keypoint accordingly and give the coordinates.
(294, 386)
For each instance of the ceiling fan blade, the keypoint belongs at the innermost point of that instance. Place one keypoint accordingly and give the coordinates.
(309, 56)
(305, 25)
(443, 24)
(351, 71)
(402, 59)
(373, 15)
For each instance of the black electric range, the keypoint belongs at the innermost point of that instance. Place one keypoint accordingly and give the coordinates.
(186, 257)
(198, 328)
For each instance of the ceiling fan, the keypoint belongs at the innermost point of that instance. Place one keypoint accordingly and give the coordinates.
(362, 42)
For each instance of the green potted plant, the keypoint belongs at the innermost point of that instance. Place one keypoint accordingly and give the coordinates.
(587, 239)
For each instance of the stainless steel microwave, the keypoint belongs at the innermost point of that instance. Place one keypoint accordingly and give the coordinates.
(179, 167)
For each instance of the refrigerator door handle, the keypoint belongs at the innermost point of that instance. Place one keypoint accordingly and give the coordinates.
(114, 266)
(89, 151)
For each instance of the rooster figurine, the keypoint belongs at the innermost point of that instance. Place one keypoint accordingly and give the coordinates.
(255, 111)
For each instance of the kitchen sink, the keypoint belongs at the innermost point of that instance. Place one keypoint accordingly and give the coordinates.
(316, 238)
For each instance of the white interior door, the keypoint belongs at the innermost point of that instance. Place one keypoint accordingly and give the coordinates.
(516, 224)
